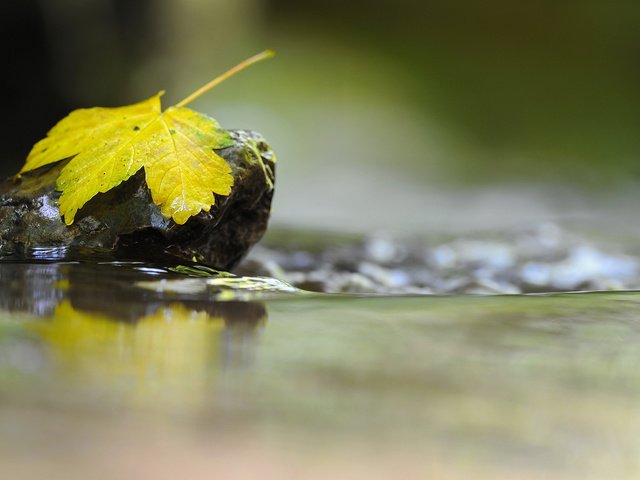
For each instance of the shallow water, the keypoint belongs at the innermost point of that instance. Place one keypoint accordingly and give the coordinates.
(130, 370)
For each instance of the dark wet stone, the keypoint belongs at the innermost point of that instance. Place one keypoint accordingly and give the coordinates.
(124, 221)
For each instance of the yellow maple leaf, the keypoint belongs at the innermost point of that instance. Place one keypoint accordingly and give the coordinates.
(109, 145)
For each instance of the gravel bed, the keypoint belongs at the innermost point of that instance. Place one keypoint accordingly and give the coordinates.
(545, 258)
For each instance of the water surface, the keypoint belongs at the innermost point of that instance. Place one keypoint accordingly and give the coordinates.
(130, 370)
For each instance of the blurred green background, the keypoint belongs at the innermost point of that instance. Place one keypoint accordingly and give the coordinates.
(404, 113)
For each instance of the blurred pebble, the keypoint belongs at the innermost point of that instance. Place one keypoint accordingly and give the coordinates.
(384, 250)
(544, 258)
(443, 257)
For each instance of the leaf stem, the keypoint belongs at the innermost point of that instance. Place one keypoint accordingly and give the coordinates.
(229, 73)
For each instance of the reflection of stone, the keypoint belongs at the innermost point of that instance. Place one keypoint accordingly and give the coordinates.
(125, 220)
(32, 289)
(117, 290)
(111, 338)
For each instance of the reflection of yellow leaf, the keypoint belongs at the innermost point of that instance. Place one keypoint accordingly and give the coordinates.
(109, 145)
(168, 357)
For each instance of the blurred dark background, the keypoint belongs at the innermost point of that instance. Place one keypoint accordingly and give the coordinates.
(365, 97)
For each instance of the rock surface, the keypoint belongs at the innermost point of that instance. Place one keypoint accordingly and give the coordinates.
(125, 222)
